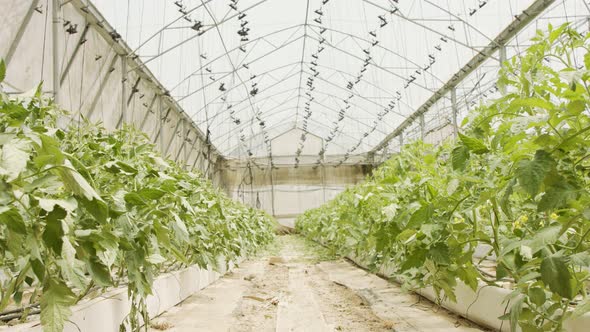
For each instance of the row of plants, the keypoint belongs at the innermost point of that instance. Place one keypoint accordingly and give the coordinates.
(516, 181)
(83, 209)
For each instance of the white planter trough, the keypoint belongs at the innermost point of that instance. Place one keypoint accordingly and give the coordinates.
(106, 312)
(483, 306)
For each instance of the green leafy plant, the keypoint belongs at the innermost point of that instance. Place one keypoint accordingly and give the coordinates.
(515, 182)
(84, 209)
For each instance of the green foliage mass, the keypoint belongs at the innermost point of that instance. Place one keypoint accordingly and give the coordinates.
(515, 181)
(84, 209)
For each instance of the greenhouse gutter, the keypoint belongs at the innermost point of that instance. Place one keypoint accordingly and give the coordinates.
(94, 18)
(520, 22)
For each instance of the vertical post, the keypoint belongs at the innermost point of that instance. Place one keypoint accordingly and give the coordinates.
(455, 111)
(422, 127)
(401, 140)
(502, 54)
(161, 121)
(20, 32)
(272, 190)
(55, 48)
(187, 151)
(123, 118)
(323, 159)
(198, 155)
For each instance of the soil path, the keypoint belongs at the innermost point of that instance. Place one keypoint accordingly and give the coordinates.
(296, 285)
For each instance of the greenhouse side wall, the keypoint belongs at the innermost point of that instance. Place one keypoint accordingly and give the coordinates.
(286, 192)
(97, 77)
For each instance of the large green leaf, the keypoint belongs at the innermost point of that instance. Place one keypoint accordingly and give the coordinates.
(473, 144)
(49, 152)
(52, 235)
(532, 102)
(11, 218)
(99, 273)
(531, 173)
(14, 157)
(55, 305)
(557, 196)
(439, 253)
(537, 295)
(459, 157)
(556, 275)
(76, 183)
(422, 215)
(151, 193)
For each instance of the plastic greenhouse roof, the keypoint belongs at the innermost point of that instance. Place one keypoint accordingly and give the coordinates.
(346, 71)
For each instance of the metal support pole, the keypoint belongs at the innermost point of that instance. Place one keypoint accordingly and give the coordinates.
(148, 111)
(55, 48)
(184, 137)
(20, 32)
(272, 190)
(162, 120)
(123, 118)
(422, 127)
(401, 140)
(103, 84)
(502, 53)
(197, 159)
(186, 150)
(188, 154)
(455, 110)
(178, 123)
(80, 42)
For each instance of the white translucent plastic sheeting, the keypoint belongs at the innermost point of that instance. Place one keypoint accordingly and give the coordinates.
(93, 71)
(425, 39)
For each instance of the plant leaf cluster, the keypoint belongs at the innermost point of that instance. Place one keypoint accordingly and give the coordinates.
(84, 209)
(514, 185)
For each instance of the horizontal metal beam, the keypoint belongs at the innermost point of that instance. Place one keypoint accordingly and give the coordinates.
(521, 21)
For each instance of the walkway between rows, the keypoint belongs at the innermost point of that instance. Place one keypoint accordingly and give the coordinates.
(296, 285)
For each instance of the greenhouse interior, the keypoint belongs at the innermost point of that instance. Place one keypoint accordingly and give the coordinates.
(301, 165)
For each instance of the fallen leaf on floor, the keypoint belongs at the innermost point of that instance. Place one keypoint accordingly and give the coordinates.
(276, 260)
(388, 324)
(160, 325)
(340, 284)
(249, 277)
(252, 297)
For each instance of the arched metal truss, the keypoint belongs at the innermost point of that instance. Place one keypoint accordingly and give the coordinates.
(357, 74)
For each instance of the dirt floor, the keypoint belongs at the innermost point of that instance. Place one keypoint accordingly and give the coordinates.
(296, 285)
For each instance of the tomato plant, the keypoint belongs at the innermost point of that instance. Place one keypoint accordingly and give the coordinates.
(515, 182)
(84, 209)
